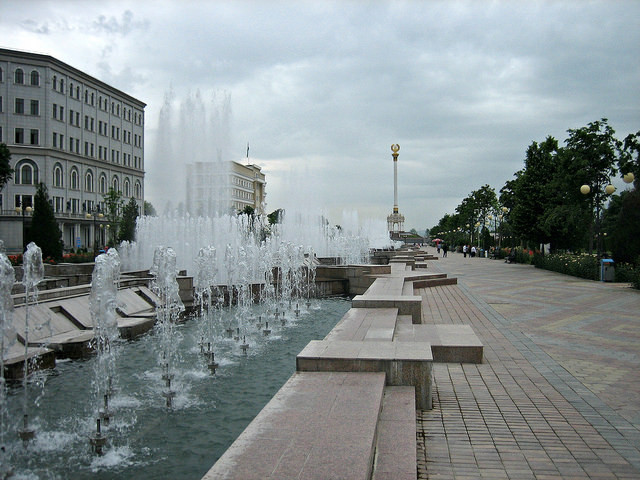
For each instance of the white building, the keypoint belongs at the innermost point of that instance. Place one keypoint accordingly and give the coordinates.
(224, 187)
(77, 135)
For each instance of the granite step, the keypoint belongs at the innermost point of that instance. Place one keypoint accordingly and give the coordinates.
(395, 457)
(318, 426)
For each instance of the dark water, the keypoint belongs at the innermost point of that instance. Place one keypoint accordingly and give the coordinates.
(146, 439)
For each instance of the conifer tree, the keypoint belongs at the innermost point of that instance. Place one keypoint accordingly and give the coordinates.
(45, 231)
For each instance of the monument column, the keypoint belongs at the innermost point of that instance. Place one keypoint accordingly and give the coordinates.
(395, 148)
(395, 221)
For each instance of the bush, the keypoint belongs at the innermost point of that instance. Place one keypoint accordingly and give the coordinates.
(628, 273)
(86, 257)
(577, 265)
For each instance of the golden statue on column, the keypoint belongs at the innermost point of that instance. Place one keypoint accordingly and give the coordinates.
(395, 221)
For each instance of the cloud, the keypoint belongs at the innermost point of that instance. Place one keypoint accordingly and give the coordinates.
(322, 89)
(124, 26)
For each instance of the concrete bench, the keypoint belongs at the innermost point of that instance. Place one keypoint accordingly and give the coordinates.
(406, 305)
(365, 324)
(318, 426)
(449, 343)
(404, 363)
(396, 441)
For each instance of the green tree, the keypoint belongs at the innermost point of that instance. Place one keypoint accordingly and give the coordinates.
(127, 230)
(590, 158)
(528, 195)
(113, 202)
(275, 216)
(149, 210)
(5, 165)
(45, 231)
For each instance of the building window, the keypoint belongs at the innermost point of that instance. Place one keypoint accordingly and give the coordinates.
(23, 201)
(75, 179)
(115, 184)
(102, 184)
(19, 136)
(137, 189)
(62, 85)
(26, 173)
(0, 74)
(35, 78)
(75, 205)
(55, 82)
(86, 96)
(88, 181)
(71, 89)
(19, 76)
(0, 103)
(58, 204)
(34, 136)
(127, 188)
(78, 93)
(35, 107)
(19, 105)
(58, 176)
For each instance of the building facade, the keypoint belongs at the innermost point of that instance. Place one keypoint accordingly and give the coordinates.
(74, 133)
(224, 187)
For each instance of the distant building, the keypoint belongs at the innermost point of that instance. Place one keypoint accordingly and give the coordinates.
(77, 135)
(224, 187)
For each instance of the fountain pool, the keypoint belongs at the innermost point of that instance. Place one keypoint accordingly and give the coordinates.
(147, 439)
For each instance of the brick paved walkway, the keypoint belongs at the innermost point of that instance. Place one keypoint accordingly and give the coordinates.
(558, 395)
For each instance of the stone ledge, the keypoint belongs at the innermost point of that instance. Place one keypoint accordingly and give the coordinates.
(406, 305)
(395, 457)
(449, 343)
(405, 363)
(318, 426)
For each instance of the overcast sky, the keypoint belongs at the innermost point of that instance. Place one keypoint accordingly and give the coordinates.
(321, 90)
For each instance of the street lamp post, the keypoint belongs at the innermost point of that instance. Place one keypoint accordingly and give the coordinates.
(96, 214)
(597, 199)
(24, 211)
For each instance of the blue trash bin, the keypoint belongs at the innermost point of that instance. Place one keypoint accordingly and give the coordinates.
(607, 270)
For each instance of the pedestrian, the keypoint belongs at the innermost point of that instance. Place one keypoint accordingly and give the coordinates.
(464, 250)
(445, 248)
(438, 247)
(473, 251)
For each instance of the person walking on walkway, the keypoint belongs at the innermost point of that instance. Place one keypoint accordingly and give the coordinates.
(473, 251)
(464, 250)
(445, 249)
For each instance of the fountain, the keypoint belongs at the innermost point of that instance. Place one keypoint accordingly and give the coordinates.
(7, 278)
(102, 306)
(33, 275)
(165, 285)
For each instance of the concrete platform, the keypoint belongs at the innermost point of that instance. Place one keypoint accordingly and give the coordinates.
(395, 444)
(367, 324)
(404, 363)
(318, 426)
(406, 305)
(449, 343)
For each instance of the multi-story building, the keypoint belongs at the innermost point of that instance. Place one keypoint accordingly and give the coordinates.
(77, 135)
(224, 187)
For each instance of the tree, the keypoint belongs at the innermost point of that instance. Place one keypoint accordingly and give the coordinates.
(113, 202)
(44, 228)
(5, 165)
(275, 216)
(148, 209)
(590, 158)
(528, 195)
(127, 230)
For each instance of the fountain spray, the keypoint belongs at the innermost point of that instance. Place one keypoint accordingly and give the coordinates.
(7, 279)
(102, 305)
(33, 275)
